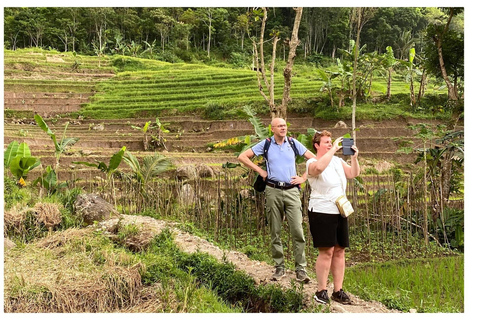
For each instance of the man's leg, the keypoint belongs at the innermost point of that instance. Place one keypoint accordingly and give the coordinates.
(293, 211)
(275, 218)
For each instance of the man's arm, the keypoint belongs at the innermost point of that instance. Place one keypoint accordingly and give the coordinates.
(299, 180)
(245, 158)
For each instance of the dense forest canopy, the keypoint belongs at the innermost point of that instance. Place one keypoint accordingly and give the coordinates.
(198, 34)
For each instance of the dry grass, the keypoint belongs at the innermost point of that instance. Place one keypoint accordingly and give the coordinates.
(47, 214)
(14, 218)
(71, 271)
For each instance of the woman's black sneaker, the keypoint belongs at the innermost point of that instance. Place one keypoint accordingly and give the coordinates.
(321, 297)
(341, 296)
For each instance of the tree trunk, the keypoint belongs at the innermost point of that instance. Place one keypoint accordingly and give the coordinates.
(354, 75)
(423, 83)
(287, 72)
(389, 84)
(452, 91)
(412, 92)
(425, 201)
(209, 36)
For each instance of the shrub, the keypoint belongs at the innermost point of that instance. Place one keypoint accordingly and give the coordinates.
(123, 63)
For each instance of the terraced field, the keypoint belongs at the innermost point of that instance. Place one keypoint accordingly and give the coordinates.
(173, 88)
(89, 93)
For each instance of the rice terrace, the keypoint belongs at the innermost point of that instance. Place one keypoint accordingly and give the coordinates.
(122, 188)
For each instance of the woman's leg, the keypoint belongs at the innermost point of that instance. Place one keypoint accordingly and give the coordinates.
(338, 267)
(322, 266)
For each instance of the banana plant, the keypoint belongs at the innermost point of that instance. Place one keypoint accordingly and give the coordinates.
(60, 147)
(326, 77)
(49, 181)
(113, 164)
(109, 170)
(242, 143)
(412, 71)
(19, 160)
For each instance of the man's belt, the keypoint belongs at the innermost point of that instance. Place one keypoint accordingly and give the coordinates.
(280, 185)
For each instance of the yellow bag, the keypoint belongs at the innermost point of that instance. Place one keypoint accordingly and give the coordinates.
(344, 206)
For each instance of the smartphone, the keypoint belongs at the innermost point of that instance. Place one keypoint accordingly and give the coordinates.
(347, 144)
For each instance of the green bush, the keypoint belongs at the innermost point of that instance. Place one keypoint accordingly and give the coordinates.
(240, 60)
(123, 63)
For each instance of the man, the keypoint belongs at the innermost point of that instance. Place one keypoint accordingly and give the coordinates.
(282, 194)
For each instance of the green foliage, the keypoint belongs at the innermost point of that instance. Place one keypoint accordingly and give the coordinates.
(49, 181)
(70, 219)
(10, 153)
(19, 160)
(114, 162)
(123, 63)
(151, 166)
(452, 227)
(60, 147)
(231, 285)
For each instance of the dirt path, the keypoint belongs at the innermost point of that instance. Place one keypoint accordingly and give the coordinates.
(261, 272)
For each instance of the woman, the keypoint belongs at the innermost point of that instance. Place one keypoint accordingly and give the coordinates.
(327, 175)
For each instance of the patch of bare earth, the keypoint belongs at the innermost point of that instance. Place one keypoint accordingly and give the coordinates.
(261, 272)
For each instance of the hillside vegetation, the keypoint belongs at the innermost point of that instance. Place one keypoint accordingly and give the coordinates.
(106, 103)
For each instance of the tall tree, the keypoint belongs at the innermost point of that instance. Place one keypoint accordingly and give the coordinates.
(446, 59)
(100, 19)
(287, 72)
(279, 111)
(359, 18)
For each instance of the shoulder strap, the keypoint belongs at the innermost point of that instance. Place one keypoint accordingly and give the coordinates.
(294, 147)
(268, 141)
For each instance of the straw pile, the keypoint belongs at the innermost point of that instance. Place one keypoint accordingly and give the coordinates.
(16, 219)
(70, 271)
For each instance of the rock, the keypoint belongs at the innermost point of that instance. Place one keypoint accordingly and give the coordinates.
(98, 127)
(94, 208)
(8, 244)
(205, 171)
(412, 310)
(341, 124)
(186, 173)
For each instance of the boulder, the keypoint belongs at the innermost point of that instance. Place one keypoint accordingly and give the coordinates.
(341, 124)
(186, 173)
(204, 171)
(94, 208)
